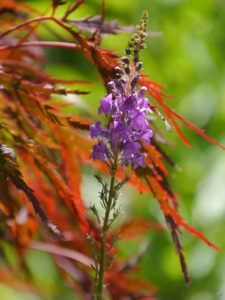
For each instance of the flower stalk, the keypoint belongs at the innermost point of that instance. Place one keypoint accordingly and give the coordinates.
(119, 144)
(111, 199)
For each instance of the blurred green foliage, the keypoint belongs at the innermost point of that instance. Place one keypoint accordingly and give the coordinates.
(188, 59)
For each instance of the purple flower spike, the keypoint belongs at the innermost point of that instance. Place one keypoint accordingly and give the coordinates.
(127, 124)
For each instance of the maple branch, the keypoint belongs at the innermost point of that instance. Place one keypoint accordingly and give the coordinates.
(72, 8)
(43, 44)
(103, 11)
(38, 19)
(51, 44)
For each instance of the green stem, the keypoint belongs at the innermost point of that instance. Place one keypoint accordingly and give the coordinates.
(100, 285)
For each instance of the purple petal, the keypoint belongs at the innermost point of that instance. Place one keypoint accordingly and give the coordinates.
(145, 136)
(119, 132)
(106, 105)
(99, 151)
(130, 149)
(128, 104)
(139, 161)
(95, 129)
(139, 122)
(144, 104)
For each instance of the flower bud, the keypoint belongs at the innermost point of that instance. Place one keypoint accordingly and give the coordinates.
(143, 90)
(136, 59)
(118, 70)
(138, 27)
(111, 85)
(125, 60)
(130, 45)
(134, 81)
(128, 51)
(118, 83)
(127, 70)
(139, 66)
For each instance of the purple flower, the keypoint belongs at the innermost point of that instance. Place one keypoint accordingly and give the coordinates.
(139, 122)
(139, 160)
(128, 104)
(130, 149)
(96, 130)
(145, 136)
(106, 105)
(119, 132)
(99, 151)
(143, 104)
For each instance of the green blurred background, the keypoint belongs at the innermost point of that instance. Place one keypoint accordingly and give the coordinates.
(189, 60)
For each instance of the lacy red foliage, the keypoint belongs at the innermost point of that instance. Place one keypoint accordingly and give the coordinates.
(42, 151)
